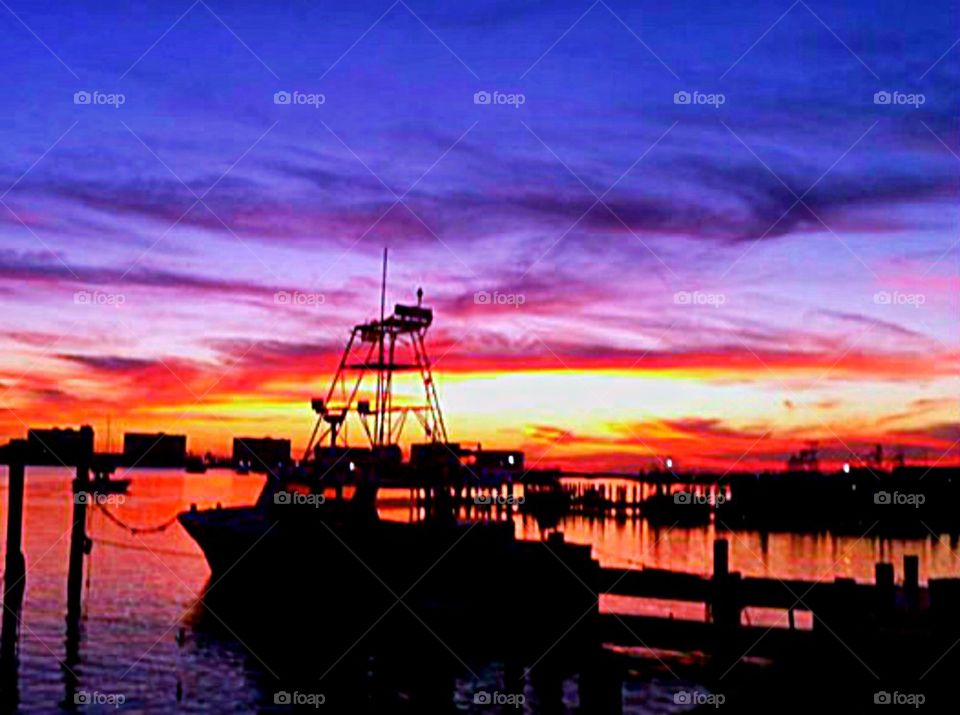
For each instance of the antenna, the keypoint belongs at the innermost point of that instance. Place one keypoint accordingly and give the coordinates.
(383, 287)
(378, 425)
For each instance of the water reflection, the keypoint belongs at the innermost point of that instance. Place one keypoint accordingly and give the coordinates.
(144, 632)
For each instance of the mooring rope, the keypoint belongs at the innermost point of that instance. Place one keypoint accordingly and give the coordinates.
(137, 547)
(136, 529)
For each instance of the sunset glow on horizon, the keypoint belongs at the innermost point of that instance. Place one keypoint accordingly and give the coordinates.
(617, 272)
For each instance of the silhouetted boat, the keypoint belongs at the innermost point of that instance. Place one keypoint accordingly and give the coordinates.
(681, 508)
(104, 484)
(314, 541)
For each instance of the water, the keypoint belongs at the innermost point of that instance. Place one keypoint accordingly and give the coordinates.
(139, 641)
(139, 590)
(810, 556)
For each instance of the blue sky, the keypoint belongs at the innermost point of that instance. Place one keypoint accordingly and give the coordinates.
(599, 199)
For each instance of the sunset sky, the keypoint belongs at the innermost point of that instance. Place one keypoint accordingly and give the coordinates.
(719, 280)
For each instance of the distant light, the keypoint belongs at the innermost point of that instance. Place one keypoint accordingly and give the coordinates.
(510, 459)
(669, 463)
(846, 468)
(352, 466)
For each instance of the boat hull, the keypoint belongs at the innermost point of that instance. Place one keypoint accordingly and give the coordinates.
(450, 577)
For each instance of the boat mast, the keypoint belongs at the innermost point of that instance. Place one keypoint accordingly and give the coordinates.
(381, 373)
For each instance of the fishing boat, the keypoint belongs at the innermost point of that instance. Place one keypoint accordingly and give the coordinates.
(103, 482)
(105, 485)
(315, 542)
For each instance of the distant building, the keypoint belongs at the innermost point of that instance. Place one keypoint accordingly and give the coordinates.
(497, 465)
(260, 454)
(154, 450)
(508, 460)
(435, 455)
(60, 446)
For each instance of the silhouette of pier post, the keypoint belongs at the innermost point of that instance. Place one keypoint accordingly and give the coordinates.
(79, 544)
(14, 577)
(14, 573)
(886, 589)
(724, 606)
(911, 579)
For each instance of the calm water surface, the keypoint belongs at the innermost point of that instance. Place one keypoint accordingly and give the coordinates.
(138, 640)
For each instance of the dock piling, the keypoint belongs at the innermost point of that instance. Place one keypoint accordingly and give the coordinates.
(911, 578)
(721, 559)
(14, 579)
(886, 590)
(78, 546)
(14, 574)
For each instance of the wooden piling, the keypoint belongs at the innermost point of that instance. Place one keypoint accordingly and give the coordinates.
(14, 574)
(78, 545)
(911, 578)
(14, 580)
(721, 558)
(886, 594)
(724, 603)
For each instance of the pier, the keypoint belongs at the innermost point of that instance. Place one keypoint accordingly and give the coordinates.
(70, 449)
